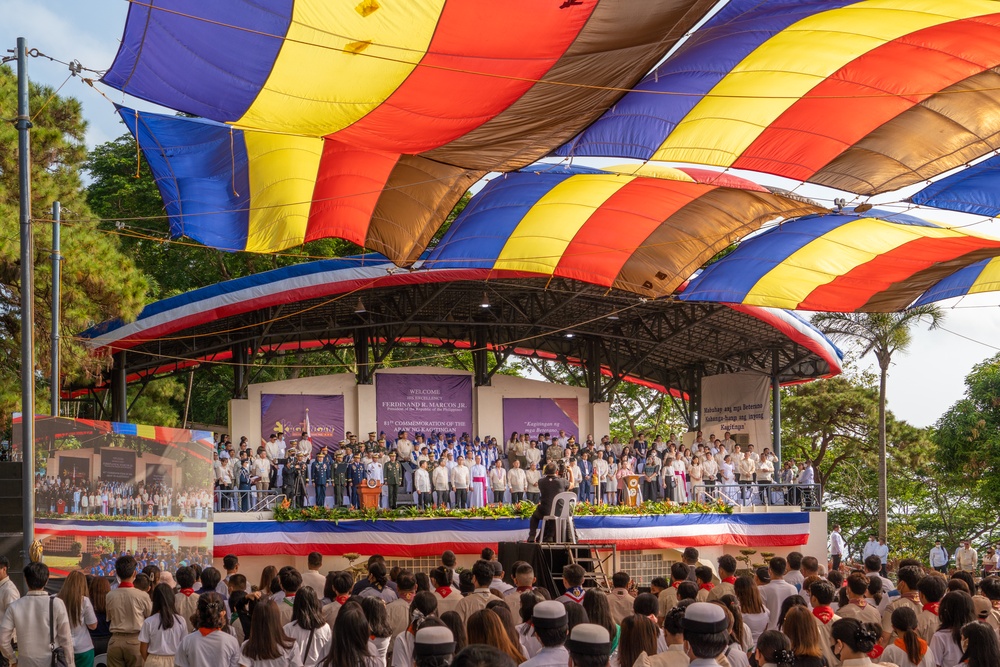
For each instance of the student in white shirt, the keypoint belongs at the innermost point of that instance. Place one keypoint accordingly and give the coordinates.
(853, 641)
(309, 629)
(268, 645)
(162, 633)
(29, 618)
(82, 618)
(207, 646)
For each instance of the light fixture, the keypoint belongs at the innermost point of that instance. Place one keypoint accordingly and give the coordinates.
(570, 334)
(485, 303)
(360, 308)
(613, 316)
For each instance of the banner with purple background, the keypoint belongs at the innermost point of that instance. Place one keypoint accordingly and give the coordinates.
(541, 415)
(288, 411)
(423, 403)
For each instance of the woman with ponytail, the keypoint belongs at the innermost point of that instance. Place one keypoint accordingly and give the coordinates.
(774, 650)
(909, 650)
(956, 610)
(853, 641)
(423, 605)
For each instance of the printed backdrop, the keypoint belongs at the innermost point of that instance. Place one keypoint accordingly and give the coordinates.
(423, 403)
(737, 402)
(541, 415)
(287, 413)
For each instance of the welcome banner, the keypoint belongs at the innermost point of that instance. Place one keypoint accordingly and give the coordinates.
(535, 416)
(287, 413)
(423, 403)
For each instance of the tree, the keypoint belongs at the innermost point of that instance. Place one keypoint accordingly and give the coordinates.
(829, 422)
(884, 334)
(99, 282)
(968, 434)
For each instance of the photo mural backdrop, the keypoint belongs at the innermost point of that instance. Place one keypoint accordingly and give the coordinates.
(287, 413)
(423, 403)
(103, 488)
(535, 416)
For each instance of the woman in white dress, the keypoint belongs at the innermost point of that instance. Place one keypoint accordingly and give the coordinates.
(697, 477)
(680, 479)
(729, 488)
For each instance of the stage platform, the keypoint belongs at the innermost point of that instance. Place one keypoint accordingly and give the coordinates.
(258, 535)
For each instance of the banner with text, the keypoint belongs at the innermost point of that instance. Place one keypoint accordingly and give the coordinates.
(737, 402)
(541, 415)
(287, 413)
(423, 403)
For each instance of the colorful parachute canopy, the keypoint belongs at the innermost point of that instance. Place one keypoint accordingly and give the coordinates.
(863, 96)
(639, 229)
(479, 85)
(983, 276)
(845, 262)
(975, 189)
(263, 192)
(415, 100)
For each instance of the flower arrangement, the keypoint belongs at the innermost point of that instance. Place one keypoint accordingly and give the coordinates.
(521, 510)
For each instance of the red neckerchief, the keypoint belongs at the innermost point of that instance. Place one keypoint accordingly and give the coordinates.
(341, 599)
(575, 594)
(706, 587)
(823, 613)
(187, 592)
(876, 652)
(676, 584)
(902, 644)
(207, 631)
(443, 591)
(524, 589)
(729, 580)
(126, 584)
(861, 602)
(932, 607)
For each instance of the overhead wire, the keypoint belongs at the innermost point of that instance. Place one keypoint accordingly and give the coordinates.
(458, 70)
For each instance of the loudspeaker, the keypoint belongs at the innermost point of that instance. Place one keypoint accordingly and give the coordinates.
(11, 519)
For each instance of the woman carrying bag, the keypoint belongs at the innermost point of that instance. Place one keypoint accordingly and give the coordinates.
(82, 618)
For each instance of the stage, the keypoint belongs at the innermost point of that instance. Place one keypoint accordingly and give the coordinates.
(256, 535)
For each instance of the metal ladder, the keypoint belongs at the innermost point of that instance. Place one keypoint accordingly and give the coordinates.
(601, 558)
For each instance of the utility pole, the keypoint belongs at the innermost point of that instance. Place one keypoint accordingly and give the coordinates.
(27, 302)
(56, 305)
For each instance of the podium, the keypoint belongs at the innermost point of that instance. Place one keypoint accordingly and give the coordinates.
(632, 490)
(370, 495)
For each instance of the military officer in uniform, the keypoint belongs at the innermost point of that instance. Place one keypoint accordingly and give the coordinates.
(392, 474)
(339, 476)
(355, 478)
(321, 473)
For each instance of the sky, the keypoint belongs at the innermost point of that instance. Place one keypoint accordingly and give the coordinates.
(922, 383)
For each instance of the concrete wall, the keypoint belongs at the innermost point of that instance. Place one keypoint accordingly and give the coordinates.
(359, 402)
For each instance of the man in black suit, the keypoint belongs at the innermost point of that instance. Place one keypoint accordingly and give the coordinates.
(549, 486)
